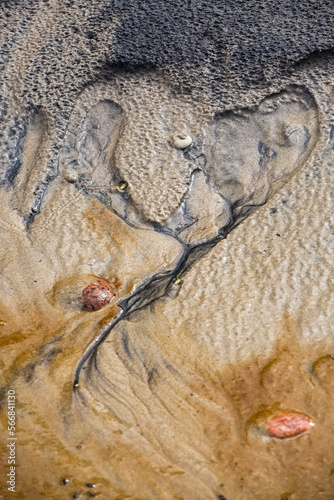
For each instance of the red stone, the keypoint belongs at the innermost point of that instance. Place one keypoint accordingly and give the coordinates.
(287, 425)
(97, 295)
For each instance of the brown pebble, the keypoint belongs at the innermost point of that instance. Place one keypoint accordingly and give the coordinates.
(288, 425)
(97, 295)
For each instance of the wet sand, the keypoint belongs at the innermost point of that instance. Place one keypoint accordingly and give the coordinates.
(176, 402)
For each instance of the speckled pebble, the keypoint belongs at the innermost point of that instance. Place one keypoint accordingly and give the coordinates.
(97, 295)
(70, 175)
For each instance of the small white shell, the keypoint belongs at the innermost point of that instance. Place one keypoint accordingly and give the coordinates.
(70, 175)
(182, 141)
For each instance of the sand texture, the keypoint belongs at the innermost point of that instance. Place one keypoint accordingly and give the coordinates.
(166, 256)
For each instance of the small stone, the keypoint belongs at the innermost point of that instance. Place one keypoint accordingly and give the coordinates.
(70, 175)
(97, 295)
(65, 481)
(182, 141)
(288, 425)
(90, 485)
(2, 323)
